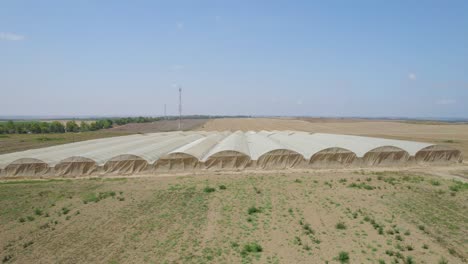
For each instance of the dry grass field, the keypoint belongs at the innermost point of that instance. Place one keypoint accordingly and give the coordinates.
(363, 216)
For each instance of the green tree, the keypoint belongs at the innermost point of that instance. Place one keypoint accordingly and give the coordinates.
(72, 126)
(44, 127)
(84, 127)
(56, 127)
(35, 128)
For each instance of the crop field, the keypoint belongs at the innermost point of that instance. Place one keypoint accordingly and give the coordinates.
(302, 217)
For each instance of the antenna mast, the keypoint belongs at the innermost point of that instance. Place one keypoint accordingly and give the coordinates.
(180, 107)
(165, 113)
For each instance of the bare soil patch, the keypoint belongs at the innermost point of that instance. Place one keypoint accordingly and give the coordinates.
(274, 217)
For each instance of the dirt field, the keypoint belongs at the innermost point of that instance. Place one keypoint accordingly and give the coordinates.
(455, 135)
(273, 217)
(160, 126)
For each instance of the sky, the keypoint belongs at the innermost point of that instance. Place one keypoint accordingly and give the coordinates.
(291, 58)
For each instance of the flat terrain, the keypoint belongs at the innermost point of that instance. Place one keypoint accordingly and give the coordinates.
(455, 135)
(159, 126)
(272, 217)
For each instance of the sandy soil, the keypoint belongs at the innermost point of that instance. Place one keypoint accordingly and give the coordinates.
(455, 135)
(296, 217)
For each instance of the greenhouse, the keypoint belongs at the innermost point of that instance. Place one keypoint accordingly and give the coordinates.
(198, 150)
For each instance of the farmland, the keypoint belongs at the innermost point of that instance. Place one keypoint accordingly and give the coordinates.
(270, 217)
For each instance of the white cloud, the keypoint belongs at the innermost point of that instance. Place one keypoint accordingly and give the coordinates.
(11, 36)
(299, 102)
(445, 102)
(412, 76)
(180, 25)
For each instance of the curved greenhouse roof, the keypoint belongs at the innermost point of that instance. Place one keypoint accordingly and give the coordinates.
(220, 150)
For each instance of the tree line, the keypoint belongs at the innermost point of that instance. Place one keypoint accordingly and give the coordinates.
(40, 127)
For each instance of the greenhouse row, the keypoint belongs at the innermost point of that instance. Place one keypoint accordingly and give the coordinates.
(198, 150)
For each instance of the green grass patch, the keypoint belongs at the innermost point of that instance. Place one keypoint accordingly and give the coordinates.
(208, 189)
(361, 185)
(253, 247)
(45, 139)
(96, 197)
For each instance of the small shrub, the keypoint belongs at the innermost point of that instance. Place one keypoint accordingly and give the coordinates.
(452, 251)
(421, 227)
(307, 247)
(381, 261)
(399, 238)
(38, 211)
(22, 220)
(222, 187)
(253, 210)
(30, 218)
(409, 260)
(425, 246)
(407, 233)
(297, 241)
(435, 182)
(253, 247)
(389, 252)
(340, 225)
(297, 181)
(234, 244)
(65, 210)
(409, 247)
(361, 186)
(343, 257)
(209, 189)
(307, 229)
(381, 232)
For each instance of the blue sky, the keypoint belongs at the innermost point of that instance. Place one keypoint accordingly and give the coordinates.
(318, 58)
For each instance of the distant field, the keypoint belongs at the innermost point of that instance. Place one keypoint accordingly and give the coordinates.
(450, 134)
(316, 217)
(160, 126)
